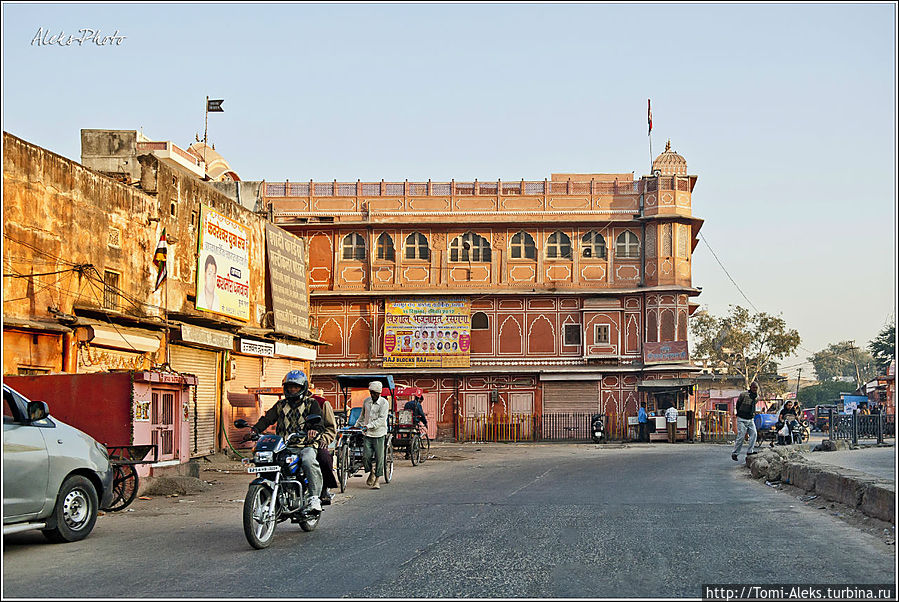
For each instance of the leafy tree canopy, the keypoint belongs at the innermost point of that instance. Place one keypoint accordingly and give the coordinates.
(823, 393)
(844, 359)
(744, 343)
(883, 348)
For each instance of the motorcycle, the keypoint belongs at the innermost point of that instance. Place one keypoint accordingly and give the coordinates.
(597, 428)
(796, 432)
(281, 489)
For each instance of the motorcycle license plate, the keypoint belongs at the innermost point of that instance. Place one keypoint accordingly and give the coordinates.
(255, 469)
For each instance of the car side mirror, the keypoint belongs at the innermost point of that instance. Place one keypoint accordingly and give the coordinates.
(37, 410)
(241, 423)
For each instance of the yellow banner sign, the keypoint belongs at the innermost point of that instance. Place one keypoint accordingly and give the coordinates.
(427, 333)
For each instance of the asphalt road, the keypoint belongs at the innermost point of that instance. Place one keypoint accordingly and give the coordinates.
(506, 521)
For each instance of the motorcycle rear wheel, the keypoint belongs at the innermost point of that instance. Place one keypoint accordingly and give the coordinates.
(257, 526)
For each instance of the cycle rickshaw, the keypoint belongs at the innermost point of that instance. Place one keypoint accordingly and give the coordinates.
(348, 447)
(125, 480)
(409, 436)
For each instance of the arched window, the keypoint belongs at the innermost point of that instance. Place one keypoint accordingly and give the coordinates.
(522, 246)
(469, 247)
(479, 321)
(385, 247)
(593, 245)
(353, 247)
(417, 246)
(558, 246)
(627, 246)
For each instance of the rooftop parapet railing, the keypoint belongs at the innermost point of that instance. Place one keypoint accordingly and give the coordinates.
(453, 188)
(172, 148)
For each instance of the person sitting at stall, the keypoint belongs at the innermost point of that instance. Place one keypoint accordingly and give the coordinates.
(418, 414)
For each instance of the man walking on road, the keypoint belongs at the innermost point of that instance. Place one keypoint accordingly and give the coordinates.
(745, 420)
(373, 422)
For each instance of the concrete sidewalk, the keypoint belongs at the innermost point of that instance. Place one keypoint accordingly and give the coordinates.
(863, 478)
(877, 461)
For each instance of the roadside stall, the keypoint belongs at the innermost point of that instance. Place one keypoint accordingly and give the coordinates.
(662, 394)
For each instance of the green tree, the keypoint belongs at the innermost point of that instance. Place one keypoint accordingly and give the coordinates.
(844, 359)
(744, 343)
(823, 393)
(883, 348)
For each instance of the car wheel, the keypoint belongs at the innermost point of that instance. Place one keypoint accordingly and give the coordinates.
(76, 510)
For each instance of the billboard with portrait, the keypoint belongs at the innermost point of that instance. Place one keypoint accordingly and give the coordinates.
(427, 333)
(223, 266)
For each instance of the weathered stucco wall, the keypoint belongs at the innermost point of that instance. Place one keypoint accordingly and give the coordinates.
(59, 215)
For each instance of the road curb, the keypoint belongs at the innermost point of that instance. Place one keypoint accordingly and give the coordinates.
(870, 495)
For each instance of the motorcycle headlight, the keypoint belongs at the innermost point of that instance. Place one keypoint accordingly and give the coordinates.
(264, 457)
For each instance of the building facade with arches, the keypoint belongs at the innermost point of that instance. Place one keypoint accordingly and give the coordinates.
(568, 281)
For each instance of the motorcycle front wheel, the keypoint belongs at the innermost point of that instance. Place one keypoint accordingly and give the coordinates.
(258, 523)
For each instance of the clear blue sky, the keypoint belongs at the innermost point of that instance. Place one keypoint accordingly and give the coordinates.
(787, 113)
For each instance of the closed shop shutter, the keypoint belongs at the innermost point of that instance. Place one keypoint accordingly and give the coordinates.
(571, 396)
(246, 373)
(205, 366)
(273, 371)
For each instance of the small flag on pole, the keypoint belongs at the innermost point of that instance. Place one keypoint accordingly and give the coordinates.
(159, 260)
(649, 116)
(215, 106)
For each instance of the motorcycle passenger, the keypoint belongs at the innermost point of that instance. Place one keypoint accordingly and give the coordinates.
(289, 414)
(325, 461)
(787, 416)
(418, 413)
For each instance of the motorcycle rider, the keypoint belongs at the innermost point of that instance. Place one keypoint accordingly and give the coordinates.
(289, 414)
(787, 416)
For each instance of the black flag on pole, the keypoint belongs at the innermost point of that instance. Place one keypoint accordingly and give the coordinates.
(215, 106)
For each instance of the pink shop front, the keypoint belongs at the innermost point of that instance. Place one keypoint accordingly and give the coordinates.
(133, 407)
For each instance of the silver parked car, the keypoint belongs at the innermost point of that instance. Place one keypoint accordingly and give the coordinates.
(55, 477)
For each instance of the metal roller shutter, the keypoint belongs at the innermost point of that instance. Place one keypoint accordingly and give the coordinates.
(571, 396)
(273, 371)
(205, 366)
(247, 373)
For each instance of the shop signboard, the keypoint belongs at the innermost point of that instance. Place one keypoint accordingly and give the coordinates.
(427, 333)
(287, 277)
(663, 353)
(223, 266)
(251, 347)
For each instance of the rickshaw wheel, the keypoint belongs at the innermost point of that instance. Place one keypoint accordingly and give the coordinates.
(388, 460)
(343, 465)
(125, 482)
(415, 450)
(425, 446)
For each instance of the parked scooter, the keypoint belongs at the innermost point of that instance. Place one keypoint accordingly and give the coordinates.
(281, 489)
(597, 428)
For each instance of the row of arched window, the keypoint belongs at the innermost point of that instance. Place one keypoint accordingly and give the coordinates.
(475, 248)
